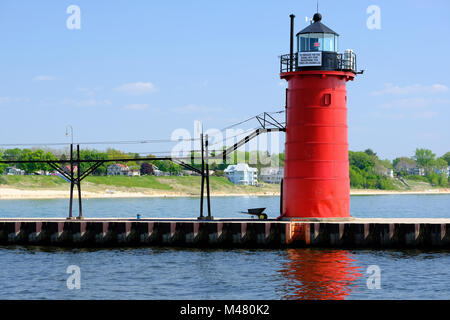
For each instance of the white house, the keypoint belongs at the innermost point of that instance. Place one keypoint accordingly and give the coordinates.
(189, 173)
(417, 171)
(271, 175)
(241, 173)
(13, 171)
(134, 173)
(391, 173)
(445, 171)
(410, 167)
(42, 173)
(117, 169)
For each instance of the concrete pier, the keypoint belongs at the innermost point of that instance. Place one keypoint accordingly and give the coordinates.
(351, 233)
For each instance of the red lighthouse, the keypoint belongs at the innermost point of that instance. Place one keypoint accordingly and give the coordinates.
(316, 178)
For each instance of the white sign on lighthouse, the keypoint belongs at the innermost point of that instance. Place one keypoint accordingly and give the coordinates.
(309, 59)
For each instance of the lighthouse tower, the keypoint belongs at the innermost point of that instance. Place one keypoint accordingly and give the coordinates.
(316, 180)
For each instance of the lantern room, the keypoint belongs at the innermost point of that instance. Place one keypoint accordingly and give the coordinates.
(317, 49)
(317, 37)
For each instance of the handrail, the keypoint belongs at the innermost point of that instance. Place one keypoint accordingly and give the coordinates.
(343, 62)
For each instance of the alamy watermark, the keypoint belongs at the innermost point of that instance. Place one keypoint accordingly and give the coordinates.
(74, 280)
(262, 149)
(73, 22)
(374, 278)
(374, 20)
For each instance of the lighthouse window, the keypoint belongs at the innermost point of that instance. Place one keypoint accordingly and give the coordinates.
(329, 42)
(303, 43)
(315, 42)
(326, 99)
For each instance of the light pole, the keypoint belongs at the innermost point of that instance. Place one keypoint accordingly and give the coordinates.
(71, 170)
(71, 132)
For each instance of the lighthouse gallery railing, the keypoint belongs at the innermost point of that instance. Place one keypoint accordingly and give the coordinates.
(330, 61)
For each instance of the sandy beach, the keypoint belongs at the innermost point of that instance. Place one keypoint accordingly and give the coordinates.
(14, 193)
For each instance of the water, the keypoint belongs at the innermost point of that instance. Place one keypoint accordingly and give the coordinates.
(383, 206)
(169, 273)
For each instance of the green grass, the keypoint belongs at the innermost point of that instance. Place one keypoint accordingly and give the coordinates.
(33, 182)
(414, 183)
(185, 184)
(149, 182)
(419, 185)
(189, 185)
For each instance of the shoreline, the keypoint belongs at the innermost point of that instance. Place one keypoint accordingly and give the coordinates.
(368, 192)
(7, 193)
(30, 194)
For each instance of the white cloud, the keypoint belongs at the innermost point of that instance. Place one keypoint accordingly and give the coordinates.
(439, 88)
(4, 100)
(425, 115)
(192, 108)
(415, 103)
(44, 78)
(403, 116)
(86, 102)
(89, 91)
(389, 88)
(136, 88)
(387, 115)
(136, 106)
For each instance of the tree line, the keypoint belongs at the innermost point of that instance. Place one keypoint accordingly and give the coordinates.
(433, 169)
(254, 158)
(367, 170)
(85, 154)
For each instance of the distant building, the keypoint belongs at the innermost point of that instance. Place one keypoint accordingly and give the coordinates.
(42, 173)
(417, 171)
(189, 173)
(405, 165)
(157, 172)
(391, 173)
(13, 171)
(445, 171)
(409, 167)
(117, 169)
(66, 169)
(151, 169)
(241, 173)
(387, 172)
(271, 175)
(134, 173)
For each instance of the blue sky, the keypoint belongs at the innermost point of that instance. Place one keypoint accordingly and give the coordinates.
(141, 69)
